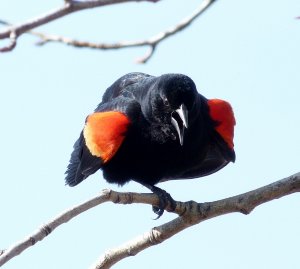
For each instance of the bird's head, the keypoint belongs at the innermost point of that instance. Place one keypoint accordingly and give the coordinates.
(172, 98)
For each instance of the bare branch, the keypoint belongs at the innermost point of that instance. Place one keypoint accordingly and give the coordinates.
(69, 7)
(152, 42)
(193, 213)
(12, 43)
(46, 229)
(147, 56)
(190, 214)
(4, 22)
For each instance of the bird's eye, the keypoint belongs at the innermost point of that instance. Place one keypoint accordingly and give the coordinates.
(165, 101)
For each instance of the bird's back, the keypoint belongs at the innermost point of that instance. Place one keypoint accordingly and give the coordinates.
(121, 87)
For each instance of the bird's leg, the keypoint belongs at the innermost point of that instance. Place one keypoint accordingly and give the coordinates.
(164, 199)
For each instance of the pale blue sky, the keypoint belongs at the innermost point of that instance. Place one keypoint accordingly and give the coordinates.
(246, 52)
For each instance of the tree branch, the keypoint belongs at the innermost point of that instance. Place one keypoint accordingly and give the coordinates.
(151, 42)
(190, 213)
(46, 229)
(69, 7)
(12, 43)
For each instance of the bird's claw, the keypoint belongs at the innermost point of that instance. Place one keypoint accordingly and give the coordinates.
(158, 211)
(165, 200)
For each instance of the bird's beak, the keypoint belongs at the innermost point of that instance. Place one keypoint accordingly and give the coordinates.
(179, 119)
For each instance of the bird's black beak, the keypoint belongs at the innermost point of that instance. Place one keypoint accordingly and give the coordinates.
(179, 119)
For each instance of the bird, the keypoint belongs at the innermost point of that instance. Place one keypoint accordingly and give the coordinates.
(151, 129)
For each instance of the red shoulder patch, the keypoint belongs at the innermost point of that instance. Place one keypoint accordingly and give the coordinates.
(221, 112)
(104, 133)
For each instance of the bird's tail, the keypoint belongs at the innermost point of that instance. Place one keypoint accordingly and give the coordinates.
(73, 174)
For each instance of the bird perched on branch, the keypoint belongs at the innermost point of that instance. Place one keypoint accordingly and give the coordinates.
(152, 129)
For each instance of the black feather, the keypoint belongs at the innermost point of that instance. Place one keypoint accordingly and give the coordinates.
(82, 163)
(151, 152)
(71, 178)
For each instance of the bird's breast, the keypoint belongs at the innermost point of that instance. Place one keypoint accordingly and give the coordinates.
(144, 159)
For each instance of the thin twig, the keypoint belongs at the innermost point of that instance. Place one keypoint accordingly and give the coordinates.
(151, 42)
(12, 43)
(68, 8)
(13, 40)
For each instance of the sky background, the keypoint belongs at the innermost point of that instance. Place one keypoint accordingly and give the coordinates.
(246, 52)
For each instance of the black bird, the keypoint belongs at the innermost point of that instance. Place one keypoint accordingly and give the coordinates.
(152, 129)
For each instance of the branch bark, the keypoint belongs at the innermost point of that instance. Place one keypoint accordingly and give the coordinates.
(46, 229)
(190, 213)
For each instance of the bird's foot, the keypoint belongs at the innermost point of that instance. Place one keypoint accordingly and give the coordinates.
(165, 200)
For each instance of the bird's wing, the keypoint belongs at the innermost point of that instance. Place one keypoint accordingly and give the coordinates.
(105, 129)
(82, 163)
(213, 162)
(99, 141)
(218, 156)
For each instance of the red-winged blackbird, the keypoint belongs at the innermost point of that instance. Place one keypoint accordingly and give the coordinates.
(152, 129)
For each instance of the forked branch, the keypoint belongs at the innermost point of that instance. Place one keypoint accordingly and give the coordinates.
(67, 8)
(190, 213)
(151, 42)
(72, 6)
